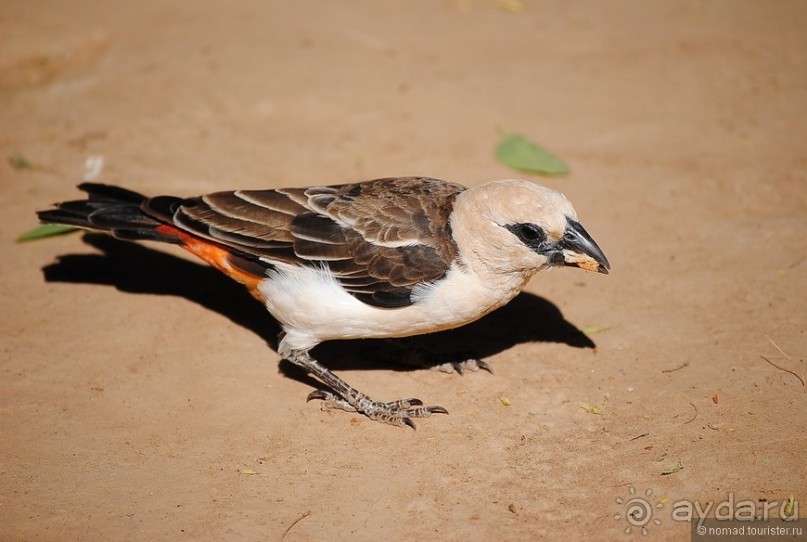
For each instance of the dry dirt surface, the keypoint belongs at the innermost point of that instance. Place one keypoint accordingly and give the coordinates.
(140, 396)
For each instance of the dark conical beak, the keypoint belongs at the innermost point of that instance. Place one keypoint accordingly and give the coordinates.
(580, 250)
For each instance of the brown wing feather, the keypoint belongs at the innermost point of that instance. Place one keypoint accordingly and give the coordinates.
(258, 226)
(395, 210)
(380, 238)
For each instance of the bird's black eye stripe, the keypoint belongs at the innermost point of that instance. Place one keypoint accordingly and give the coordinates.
(531, 235)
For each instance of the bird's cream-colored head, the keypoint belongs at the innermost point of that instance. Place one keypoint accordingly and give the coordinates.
(518, 227)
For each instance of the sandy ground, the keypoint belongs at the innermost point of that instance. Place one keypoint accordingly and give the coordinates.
(138, 387)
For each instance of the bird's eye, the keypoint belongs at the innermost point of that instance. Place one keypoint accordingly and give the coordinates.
(530, 234)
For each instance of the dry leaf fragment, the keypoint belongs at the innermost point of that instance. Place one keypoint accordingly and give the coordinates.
(591, 409)
(789, 507)
(675, 468)
(512, 6)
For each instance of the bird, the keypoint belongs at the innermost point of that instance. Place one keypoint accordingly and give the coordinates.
(383, 258)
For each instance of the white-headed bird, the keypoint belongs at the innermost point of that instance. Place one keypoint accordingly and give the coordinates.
(391, 257)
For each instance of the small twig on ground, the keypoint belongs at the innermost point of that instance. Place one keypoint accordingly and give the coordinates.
(785, 370)
(797, 262)
(777, 347)
(640, 436)
(696, 413)
(685, 364)
(295, 522)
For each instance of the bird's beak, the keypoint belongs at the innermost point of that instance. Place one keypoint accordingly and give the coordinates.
(579, 249)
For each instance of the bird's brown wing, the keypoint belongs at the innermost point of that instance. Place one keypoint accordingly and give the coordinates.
(379, 238)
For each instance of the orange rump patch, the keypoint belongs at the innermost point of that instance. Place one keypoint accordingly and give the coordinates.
(217, 256)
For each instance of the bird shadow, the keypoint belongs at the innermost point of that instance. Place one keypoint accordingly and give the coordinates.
(134, 268)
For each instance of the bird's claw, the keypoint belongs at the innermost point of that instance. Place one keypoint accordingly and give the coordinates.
(459, 367)
(398, 413)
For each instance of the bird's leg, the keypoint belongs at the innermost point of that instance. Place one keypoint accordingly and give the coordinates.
(345, 397)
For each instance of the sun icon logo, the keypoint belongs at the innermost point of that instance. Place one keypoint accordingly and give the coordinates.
(638, 511)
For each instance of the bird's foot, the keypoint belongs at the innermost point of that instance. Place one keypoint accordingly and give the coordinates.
(459, 367)
(344, 397)
(398, 413)
(419, 354)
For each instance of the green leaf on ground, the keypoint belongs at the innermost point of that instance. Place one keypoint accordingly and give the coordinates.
(520, 153)
(18, 161)
(45, 230)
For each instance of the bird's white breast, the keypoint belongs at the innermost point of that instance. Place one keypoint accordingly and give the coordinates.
(313, 307)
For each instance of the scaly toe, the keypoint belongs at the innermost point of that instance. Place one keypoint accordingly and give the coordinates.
(398, 413)
(403, 403)
(389, 413)
(331, 401)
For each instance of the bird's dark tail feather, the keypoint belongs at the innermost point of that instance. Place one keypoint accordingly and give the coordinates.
(119, 212)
